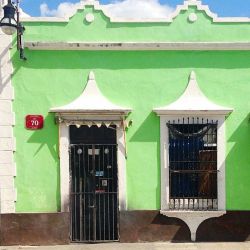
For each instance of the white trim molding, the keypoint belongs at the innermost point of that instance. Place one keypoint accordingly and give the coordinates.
(130, 46)
(7, 121)
(64, 166)
(91, 108)
(193, 103)
(185, 6)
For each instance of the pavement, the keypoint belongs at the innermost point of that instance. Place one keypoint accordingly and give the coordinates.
(138, 246)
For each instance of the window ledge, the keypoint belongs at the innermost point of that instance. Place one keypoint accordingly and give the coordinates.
(192, 218)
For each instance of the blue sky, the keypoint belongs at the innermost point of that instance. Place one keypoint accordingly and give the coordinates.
(221, 7)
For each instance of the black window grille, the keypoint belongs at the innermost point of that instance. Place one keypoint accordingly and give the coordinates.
(193, 164)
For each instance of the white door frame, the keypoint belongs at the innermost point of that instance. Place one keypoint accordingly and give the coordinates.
(64, 141)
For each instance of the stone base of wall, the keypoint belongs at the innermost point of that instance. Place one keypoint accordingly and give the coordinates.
(147, 226)
(34, 229)
(135, 226)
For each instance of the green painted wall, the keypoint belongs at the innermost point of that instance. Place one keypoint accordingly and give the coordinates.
(140, 80)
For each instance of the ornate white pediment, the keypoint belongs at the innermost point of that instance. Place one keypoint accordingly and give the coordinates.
(91, 101)
(193, 101)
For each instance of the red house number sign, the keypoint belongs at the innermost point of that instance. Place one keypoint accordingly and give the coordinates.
(34, 122)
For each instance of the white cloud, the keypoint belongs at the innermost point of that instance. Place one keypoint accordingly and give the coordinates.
(135, 9)
(65, 9)
(139, 9)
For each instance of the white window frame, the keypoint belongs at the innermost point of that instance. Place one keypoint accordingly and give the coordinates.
(165, 158)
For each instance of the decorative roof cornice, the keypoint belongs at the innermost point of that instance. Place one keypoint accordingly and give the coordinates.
(130, 46)
(186, 4)
(193, 101)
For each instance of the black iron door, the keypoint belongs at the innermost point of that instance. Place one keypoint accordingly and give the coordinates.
(94, 194)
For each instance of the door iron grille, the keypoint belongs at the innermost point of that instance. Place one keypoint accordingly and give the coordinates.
(94, 193)
(193, 164)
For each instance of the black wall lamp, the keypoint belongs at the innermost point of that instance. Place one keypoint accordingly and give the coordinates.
(10, 25)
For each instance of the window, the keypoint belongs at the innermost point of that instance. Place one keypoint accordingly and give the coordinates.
(193, 157)
(192, 169)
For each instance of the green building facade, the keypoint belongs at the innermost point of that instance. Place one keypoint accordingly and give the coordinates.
(193, 64)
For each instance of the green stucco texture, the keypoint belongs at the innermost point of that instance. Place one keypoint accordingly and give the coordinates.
(141, 80)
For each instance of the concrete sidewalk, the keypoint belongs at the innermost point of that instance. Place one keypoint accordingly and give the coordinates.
(138, 246)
